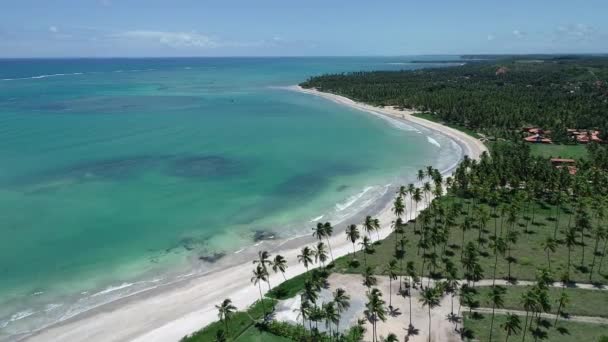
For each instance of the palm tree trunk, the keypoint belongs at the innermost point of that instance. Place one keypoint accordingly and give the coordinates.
(330, 252)
(597, 241)
(523, 337)
(429, 323)
(390, 292)
(599, 269)
(262, 299)
(492, 321)
(559, 308)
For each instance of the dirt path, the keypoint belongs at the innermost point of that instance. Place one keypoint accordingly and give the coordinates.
(584, 319)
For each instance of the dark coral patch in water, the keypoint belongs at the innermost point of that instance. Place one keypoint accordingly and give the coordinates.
(205, 166)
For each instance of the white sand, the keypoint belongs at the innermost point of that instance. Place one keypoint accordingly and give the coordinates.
(176, 311)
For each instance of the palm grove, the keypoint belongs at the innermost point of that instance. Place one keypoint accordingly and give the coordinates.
(509, 216)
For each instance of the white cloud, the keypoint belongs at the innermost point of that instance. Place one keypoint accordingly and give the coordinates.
(53, 29)
(491, 37)
(173, 39)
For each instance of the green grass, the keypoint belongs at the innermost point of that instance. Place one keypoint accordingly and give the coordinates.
(528, 253)
(565, 331)
(240, 322)
(253, 334)
(431, 117)
(293, 286)
(559, 151)
(581, 302)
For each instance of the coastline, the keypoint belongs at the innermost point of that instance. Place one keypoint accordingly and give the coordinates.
(184, 307)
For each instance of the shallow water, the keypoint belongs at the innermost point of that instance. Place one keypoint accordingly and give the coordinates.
(117, 175)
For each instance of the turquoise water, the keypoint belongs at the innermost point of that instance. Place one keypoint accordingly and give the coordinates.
(114, 172)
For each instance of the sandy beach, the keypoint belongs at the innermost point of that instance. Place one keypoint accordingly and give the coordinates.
(171, 312)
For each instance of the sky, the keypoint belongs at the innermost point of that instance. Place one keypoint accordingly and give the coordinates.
(163, 28)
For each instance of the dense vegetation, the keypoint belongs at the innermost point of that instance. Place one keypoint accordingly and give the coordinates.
(496, 96)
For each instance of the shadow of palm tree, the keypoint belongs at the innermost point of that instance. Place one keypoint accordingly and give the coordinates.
(412, 331)
(394, 312)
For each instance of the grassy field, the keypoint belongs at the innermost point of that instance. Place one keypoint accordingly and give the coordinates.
(581, 302)
(433, 118)
(240, 323)
(566, 331)
(254, 335)
(527, 252)
(559, 151)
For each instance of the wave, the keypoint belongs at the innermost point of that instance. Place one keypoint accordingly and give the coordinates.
(71, 74)
(42, 76)
(433, 141)
(112, 289)
(316, 218)
(352, 199)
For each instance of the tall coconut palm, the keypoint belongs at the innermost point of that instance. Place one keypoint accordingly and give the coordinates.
(371, 224)
(599, 234)
(304, 310)
(410, 270)
(511, 326)
(375, 310)
(279, 264)
(391, 270)
(225, 311)
(549, 246)
(329, 230)
(342, 301)
(352, 235)
(320, 253)
(410, 191)
(305, 257)
(398, 207)
(420, 175)
(368, 278)
(417, 197)
(366, 246)
(496, 296)
(570, 242)
(331, 315)
(426, 188)
(529, 302)
(260, 275)
(264, 261)
(562, 302)
(430, 298)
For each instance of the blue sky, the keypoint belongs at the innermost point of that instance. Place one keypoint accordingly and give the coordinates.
(110, 28)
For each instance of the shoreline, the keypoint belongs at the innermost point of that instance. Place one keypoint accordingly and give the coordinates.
(185, 306)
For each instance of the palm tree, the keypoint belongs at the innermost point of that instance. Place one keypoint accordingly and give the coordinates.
(528, 300)
(320, 253)
(329, 230)
(599, 234)
(319, 231)
(417, 197)
(259, 275)
(342, 302)
(366, 246)
(375, 310)
(352, 235)
(264, 260)
(225, 311)
(563, 301)
(511, 326)
(429, 297)
(303, 310)
(410, 190)
(391, 270)
(550, 246)
(420, 175)
(496, 296)
(410, 270)
(306, 257)
(279, 264)
(398, 206)
(570, 242)
(467, 224)
(368, 278)
(331, 315)
(499, 245)
(426, 187)
(368, 225)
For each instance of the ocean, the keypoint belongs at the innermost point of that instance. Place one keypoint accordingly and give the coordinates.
(117, 175)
